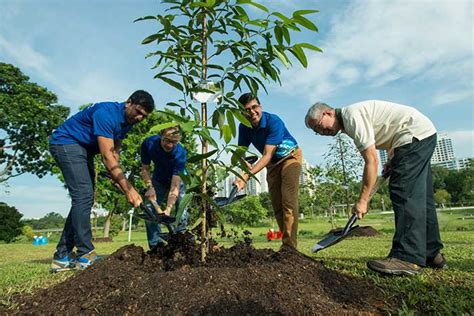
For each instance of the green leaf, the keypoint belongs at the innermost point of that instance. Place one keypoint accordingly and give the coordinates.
(200, 157)
(255, 4)
(151, 38)
(183, 203)
(231, 122)
(149, 17)
(204, 133)
(299, 54)
(286, 34)
(159, 127)
(227, 133)
(278, 35)
(303, 12)
(281, 56)
(172, 83)
(242, 119)
(306, 23)
(282, 17)
(310, 46)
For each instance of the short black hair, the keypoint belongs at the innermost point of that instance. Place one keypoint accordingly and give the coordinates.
(143, 98)
(247, 97)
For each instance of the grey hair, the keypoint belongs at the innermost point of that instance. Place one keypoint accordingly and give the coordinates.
(315, 112)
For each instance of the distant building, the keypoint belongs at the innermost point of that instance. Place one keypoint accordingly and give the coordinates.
(444, 153)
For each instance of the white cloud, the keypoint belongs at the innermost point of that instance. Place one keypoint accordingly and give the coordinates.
(382, 41)
(446, 97)
(24, 55)
(463, 143)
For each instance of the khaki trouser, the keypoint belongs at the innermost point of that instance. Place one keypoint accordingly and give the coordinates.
(283, 180)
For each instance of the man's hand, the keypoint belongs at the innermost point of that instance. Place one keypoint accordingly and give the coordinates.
(134, 198)
(360, 208)
(151, 194)
(167, 211)
(240, 184)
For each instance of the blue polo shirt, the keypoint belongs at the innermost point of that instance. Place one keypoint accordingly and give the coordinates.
(271, 131)
(105, 119)
(165, 164)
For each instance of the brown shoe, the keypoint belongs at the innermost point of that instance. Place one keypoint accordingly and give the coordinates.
(394, 266)
(438, 262)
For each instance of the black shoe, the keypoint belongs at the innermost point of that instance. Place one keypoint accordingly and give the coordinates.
(438, 262)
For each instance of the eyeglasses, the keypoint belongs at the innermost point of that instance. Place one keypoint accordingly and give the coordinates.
(253, 107)
(170, 141)
(317, 125)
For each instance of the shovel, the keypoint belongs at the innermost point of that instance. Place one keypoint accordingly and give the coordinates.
(147, 210)
(337, 236)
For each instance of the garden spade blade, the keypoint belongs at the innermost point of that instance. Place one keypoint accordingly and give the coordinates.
(335, 237)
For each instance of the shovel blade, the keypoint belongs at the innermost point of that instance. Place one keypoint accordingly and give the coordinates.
(332, 239)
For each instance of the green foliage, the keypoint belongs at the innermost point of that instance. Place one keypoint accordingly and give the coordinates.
(115, 225)
(10, 224)
(246, 212)
(459, 184)
(28, 114)
(28, 232)
(442, 197)
(266, 203)
(50, 220)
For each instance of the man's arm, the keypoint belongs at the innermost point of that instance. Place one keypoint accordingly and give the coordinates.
(173, 194)
(109, 156)
(368, 180)
(268, 152)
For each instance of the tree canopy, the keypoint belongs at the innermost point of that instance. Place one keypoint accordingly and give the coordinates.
(28, 115)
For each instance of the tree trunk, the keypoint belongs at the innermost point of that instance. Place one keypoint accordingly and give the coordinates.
(108, 219)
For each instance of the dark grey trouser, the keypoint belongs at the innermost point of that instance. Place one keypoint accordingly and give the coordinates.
(77, 166)
(411, 191)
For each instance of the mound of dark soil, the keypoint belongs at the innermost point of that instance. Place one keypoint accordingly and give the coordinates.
(361, 231)
(237, 281)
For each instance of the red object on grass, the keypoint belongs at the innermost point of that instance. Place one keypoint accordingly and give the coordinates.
(270, 235)
(279, 235)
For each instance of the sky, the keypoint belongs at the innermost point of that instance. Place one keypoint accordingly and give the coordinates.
(418, 53)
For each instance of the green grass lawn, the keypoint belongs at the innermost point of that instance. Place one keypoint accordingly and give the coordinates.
(25, 268)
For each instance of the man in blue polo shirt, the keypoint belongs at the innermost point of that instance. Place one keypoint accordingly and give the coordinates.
(165, 186)
(282, 157)
(99, 128)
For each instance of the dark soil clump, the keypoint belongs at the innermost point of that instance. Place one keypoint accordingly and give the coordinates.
(361, 231)
(240, 280)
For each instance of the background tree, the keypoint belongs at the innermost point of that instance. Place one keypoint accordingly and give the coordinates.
(344, 165)
(246, 212)
(50, 220)
(10, 222)
(219, 40)
(442, 197)
(28, 114)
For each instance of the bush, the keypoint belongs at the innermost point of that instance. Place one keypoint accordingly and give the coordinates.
(28, 232)
(115, 225)
(10, 224)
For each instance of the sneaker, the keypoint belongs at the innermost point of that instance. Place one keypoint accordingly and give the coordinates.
(88, 260)
(394, 266)
(63, 264)
(438, 262)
